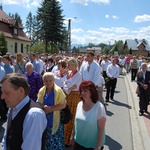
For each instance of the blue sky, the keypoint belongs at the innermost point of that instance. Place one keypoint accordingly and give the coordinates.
(98, 21)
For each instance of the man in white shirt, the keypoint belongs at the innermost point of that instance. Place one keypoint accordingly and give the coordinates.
(40, 62)
(26, 122)
(112, 72)
(90, 70)
(104, 65)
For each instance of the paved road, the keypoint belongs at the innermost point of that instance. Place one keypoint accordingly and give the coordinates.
(119, 126)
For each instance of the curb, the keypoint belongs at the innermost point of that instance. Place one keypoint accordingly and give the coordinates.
(141, 139)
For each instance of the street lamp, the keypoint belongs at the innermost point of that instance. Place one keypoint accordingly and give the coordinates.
(69, 32)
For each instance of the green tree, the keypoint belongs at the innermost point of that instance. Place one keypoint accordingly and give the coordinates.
(106, 50)
(119, 47)
(39, 46)
(50, 24)
(102, 45)
(16, 17)
(3, 44)
(29, 25)
(91, 45)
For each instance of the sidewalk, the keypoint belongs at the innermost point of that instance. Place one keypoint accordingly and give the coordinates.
(139, 123)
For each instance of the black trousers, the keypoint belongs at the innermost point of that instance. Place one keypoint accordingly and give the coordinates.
(3, 107)
(143, 102)
(79, 147)
(133, 74)
(104, 74)
(110, 88)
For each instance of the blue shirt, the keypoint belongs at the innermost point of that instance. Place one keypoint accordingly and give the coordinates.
(49, 100)
(36, 66)
(33, 127)
(8, 68)
(2, 74)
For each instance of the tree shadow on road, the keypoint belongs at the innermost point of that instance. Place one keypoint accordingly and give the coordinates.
(2, 129)
(112, 144)
(118, 103)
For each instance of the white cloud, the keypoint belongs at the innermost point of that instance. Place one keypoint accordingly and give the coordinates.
(106, 16)
(36, 3)
(24, 3)
(72, 20)
(115, 17)
(142, 18)
(85, 2)
(77, 30)
(106, 35)
(119, 30)
(101, 1)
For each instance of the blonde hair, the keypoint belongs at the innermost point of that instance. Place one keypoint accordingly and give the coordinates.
(21, 59)
(73, 61)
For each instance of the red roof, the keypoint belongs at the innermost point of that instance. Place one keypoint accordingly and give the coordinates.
(7, 25)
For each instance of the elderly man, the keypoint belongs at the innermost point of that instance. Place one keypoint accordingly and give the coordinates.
(26, 121)
(143, 81)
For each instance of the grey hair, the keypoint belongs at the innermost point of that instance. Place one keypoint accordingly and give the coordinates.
(29, 64)
(144, 63)
(48, 74)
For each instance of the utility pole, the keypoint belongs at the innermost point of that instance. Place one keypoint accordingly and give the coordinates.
(69, 33)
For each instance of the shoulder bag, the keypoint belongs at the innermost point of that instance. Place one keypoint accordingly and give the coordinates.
(65, 115)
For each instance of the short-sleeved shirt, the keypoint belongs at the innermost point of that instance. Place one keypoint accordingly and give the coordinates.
(86, 127)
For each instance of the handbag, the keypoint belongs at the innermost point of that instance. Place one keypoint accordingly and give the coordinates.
(65, 115)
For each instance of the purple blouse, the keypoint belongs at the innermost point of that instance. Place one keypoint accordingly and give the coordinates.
(35, 82)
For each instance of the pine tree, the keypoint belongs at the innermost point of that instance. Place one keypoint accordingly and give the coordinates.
(16, 17)
(50, 24)
(29, 25)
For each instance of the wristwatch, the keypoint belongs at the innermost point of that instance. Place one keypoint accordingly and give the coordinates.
(98, 147)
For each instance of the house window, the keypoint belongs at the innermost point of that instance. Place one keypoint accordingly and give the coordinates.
(27, 50)
(15, 31)
(16, 48)
(21, 48)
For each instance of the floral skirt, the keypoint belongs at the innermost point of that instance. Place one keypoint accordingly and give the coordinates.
(55, 141)
(72, 100)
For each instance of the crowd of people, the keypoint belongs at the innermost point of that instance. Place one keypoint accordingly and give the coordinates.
(37, 87)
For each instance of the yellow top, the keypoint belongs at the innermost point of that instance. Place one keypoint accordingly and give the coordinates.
(59, 99)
